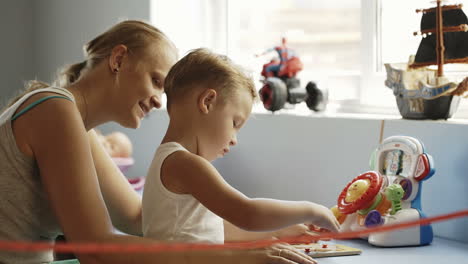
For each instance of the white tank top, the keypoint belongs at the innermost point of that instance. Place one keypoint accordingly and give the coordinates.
(168, 216)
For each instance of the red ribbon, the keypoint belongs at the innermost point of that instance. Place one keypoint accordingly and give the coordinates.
(159, 247)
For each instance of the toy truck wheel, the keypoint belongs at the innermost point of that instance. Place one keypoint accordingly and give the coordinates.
(316, 99)
(273, 94)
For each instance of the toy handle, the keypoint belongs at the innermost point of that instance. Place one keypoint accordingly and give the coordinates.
(424, 168)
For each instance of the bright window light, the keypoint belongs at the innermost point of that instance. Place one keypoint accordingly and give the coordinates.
(329, 48)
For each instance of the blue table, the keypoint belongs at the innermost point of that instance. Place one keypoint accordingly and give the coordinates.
(440, 251)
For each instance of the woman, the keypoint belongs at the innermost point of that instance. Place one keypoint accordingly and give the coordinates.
(55, 177)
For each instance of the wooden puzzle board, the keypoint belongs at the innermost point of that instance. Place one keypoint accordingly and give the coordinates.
(319, 250)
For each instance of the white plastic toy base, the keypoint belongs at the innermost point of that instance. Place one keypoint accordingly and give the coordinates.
(402, 237)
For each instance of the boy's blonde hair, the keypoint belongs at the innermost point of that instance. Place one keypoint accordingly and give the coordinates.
(203, 68)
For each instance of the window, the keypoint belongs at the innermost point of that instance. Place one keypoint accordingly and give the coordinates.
(328, 48)
(192, 23)
(342, 43)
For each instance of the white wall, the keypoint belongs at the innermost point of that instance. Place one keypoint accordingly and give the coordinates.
(62, 27)
(41, 36)
(313, 158)
(16, 45)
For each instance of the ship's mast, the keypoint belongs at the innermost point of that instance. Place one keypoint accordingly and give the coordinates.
(440, 40)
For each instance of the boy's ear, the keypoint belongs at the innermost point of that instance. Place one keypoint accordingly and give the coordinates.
(207, 100)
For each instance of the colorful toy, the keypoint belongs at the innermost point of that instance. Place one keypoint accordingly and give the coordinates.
(280, 84)
(389, 194)
(422, 92)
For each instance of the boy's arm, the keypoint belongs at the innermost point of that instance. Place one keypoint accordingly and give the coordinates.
(188, 173)
(233, 233)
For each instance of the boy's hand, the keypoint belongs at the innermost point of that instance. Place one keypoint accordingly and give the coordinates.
(293, 231)
(324, 218)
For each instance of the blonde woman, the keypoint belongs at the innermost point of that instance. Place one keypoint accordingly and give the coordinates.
(54, 175)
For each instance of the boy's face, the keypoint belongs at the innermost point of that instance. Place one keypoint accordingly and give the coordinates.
(219, 131)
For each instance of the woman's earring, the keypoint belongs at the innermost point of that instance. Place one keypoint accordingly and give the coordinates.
(116, 70)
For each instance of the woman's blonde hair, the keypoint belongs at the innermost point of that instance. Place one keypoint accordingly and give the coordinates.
(203, 68)
(135, 35)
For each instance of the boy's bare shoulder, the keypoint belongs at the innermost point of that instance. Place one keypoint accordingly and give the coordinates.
(185, 160)
(182, 171)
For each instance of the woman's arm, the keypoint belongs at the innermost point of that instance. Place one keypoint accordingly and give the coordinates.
(123, 203)
(53, 133)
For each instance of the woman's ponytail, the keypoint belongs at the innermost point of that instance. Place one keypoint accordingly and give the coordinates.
(70, 74)
(67, 76)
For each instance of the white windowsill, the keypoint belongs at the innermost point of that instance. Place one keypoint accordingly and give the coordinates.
(391, 114)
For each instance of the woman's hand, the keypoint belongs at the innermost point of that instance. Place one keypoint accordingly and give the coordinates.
(276, 254)
(284, 253)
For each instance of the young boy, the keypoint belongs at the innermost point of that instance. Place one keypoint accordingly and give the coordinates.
(185, 198)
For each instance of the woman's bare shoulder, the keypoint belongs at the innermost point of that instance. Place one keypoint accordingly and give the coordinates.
(44, 119)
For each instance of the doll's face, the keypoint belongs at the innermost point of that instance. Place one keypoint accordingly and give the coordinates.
(117, 144)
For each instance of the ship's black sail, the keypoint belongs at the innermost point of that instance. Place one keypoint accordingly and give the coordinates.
(456, 43)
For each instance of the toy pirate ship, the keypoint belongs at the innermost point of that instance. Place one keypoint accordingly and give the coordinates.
(424, 93)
